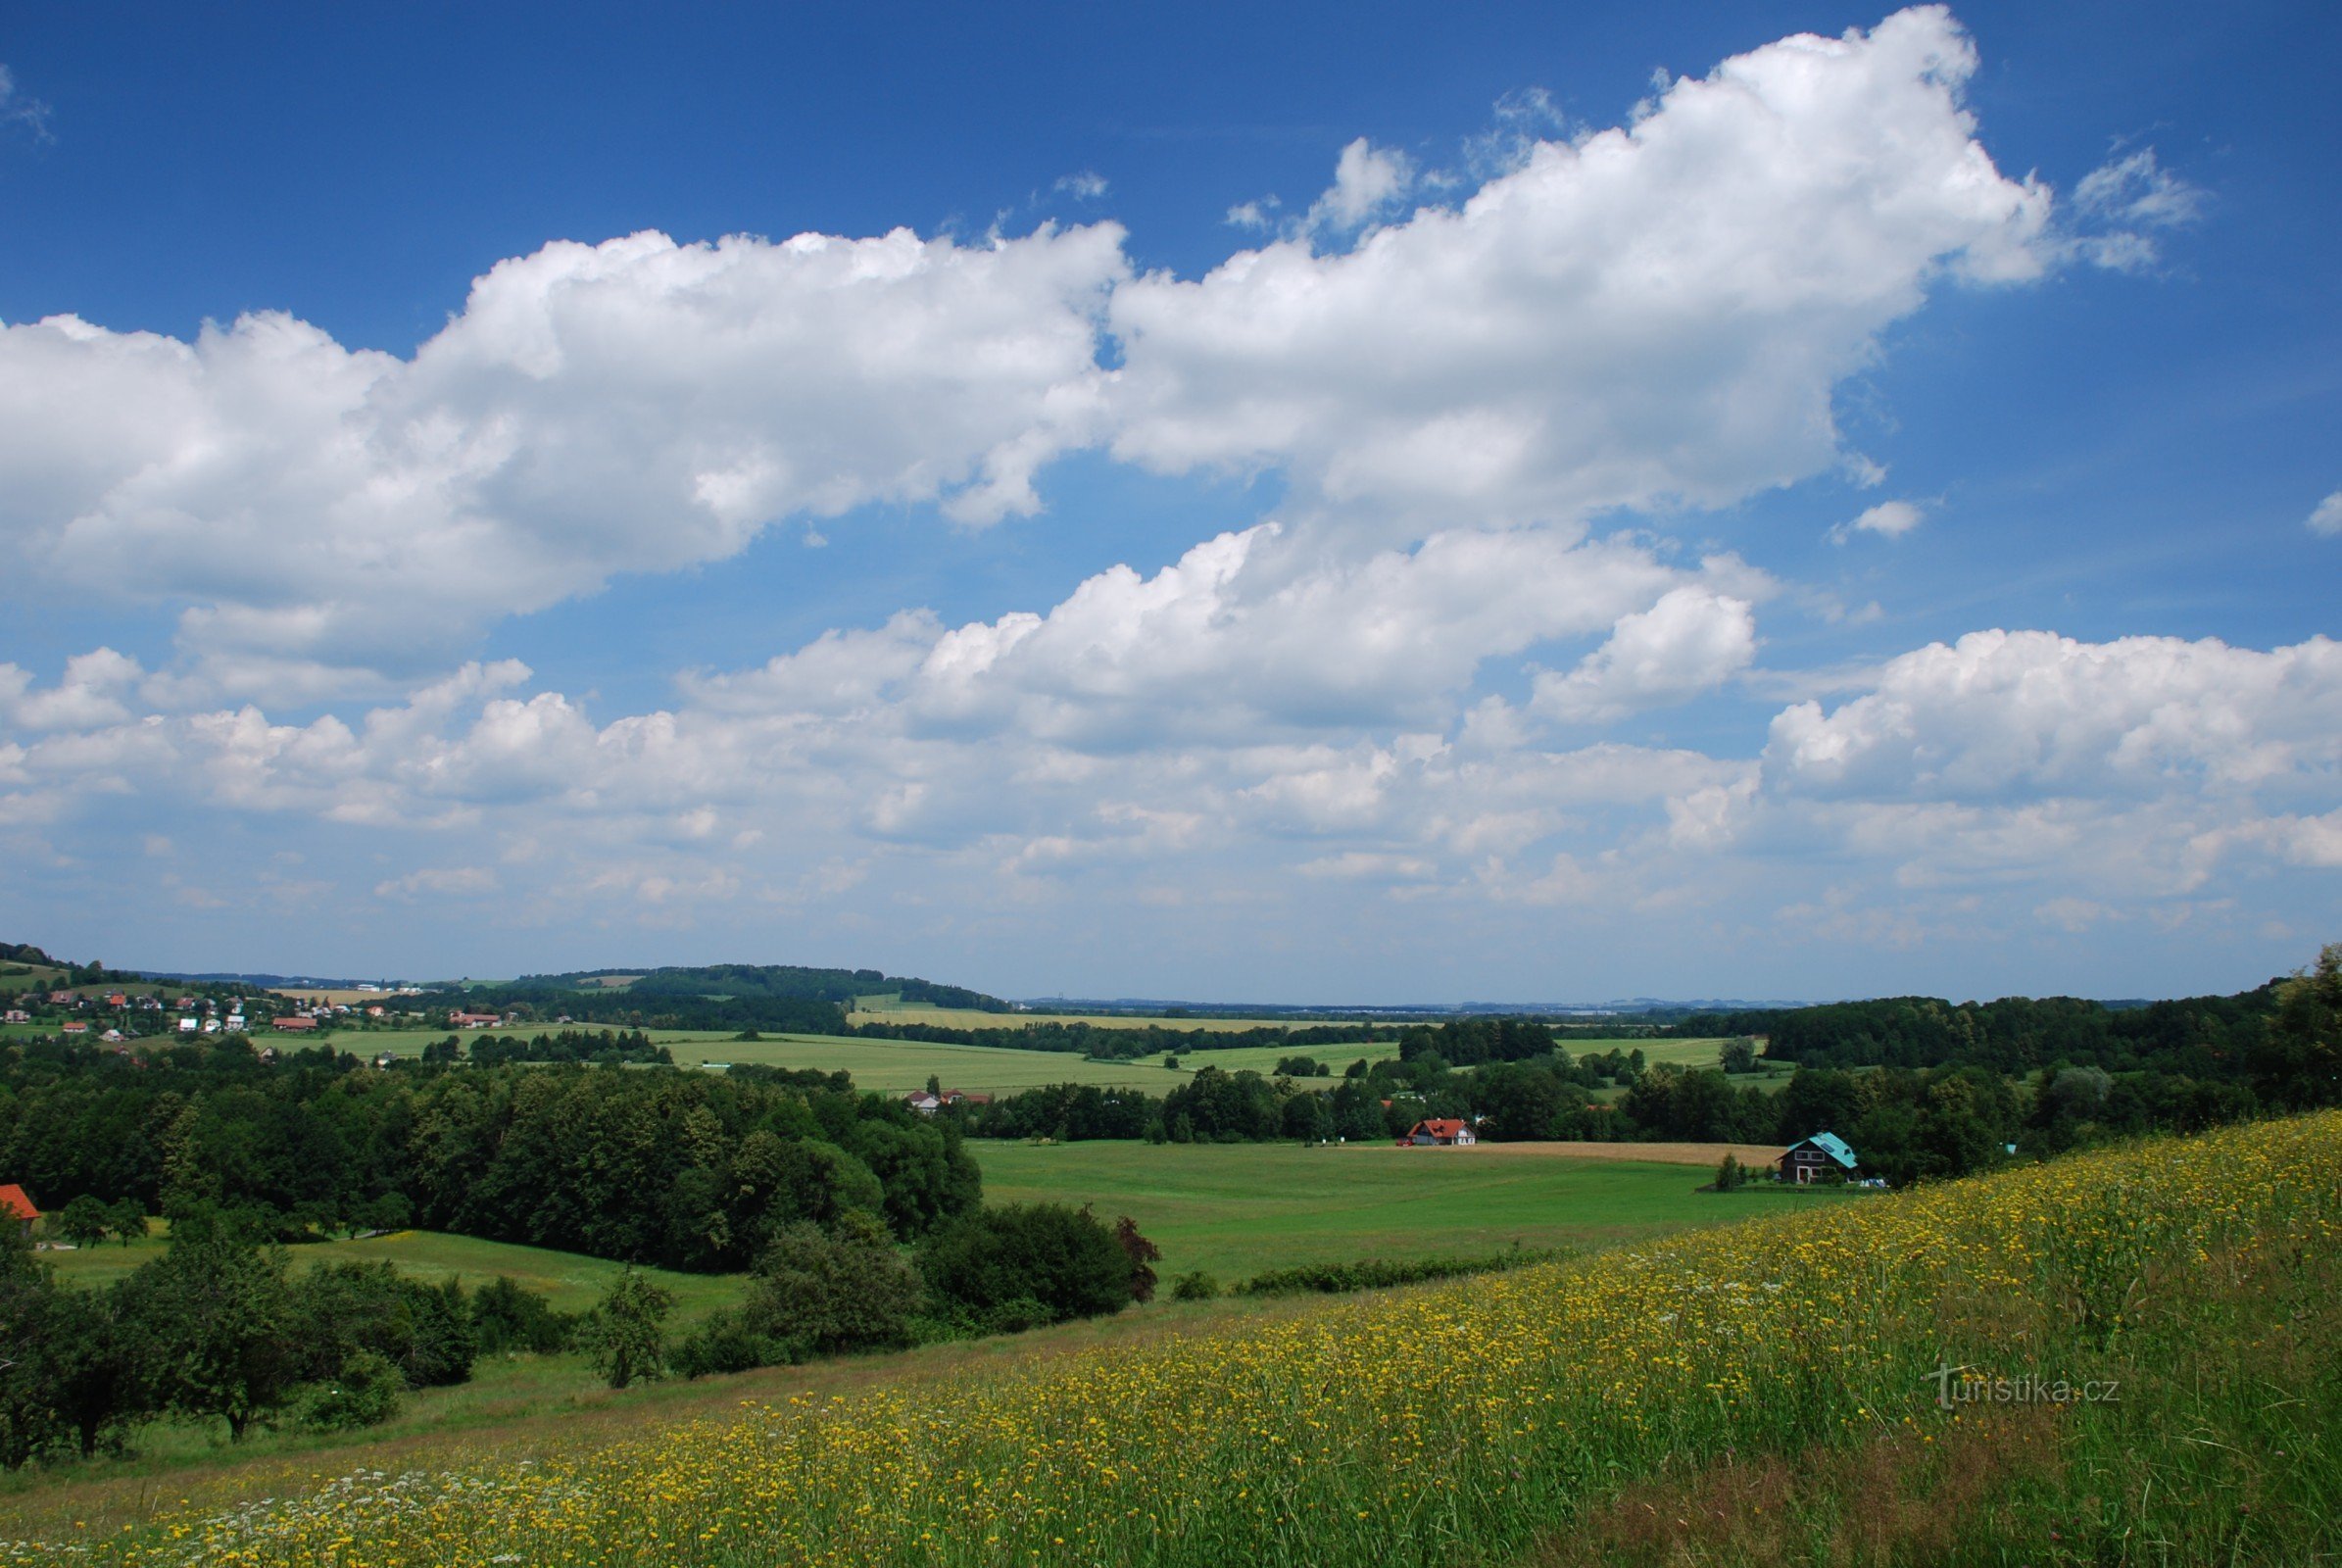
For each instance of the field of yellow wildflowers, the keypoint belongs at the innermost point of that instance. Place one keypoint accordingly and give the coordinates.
(2155, 1323)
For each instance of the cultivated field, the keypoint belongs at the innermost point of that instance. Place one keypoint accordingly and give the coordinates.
(893, 1009)
(1814, 1387)
(1239, 1209)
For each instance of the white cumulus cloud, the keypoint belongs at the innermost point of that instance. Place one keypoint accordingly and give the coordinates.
(2326, 516)
(1651, 315)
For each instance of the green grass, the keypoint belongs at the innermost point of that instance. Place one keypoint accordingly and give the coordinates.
(1760, 1395)
(1236, 1209)
(571, 1281)
(893, 1009)
(898, 1066)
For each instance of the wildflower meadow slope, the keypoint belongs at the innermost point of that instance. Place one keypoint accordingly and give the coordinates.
(1475, 1421)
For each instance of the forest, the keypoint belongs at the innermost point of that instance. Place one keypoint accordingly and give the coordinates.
(685, 1170)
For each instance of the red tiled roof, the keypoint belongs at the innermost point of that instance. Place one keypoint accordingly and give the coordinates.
(13, 1201)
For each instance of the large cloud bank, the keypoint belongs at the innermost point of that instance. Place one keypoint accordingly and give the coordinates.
(1654, 315)
(1433, 678)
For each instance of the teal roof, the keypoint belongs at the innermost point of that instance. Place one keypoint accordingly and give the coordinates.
(1830, 1144)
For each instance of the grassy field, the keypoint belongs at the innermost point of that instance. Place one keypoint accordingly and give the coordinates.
(570, 1281)
(1239, 1209)
(1818, 1387)
(894, 1010)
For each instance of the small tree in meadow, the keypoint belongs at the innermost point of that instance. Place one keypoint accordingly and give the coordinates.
(622, 1335)
(1730, 1175)
(83, 1221)
(127, 1221)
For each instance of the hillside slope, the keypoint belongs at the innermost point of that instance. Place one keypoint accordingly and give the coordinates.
(2164, 1315)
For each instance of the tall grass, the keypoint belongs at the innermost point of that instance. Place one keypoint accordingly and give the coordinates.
(1482, 1420)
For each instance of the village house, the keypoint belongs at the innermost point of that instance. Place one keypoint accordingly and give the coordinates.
(294, 1024)
(1821, 1158)
(927, 1105)
(76, 1027)
(1441, 1132)
(19, 1015)
(14, 1204)
(474, 1020)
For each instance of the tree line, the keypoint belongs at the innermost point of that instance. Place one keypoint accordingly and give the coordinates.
(2173, 1067)
(685, 1170)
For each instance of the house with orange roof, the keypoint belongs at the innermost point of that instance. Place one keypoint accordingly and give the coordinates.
(14, 1204)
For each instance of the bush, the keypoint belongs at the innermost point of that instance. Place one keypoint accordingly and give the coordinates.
(831, 1294)
(1195, 1287)
(990, 1264)
(365, 1393)
(727, 1343)
(507, 1317)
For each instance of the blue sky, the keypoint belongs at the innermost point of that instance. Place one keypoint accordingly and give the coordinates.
(1378, 503)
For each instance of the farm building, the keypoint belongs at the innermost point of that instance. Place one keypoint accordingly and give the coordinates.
(14, 1204)
(927, 1105)
(1439, 1131)
(1817, 1159)
(295, 1023)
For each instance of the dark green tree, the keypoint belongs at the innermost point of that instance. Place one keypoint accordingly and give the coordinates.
(826, 1294)
(1025, 1262)
(623, 1335)
(218, 1313)
(126, 1219)
(83, 1221)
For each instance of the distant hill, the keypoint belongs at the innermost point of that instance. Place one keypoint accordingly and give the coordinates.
(777, 981)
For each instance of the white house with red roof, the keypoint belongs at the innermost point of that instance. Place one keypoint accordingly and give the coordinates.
(1442, 1132)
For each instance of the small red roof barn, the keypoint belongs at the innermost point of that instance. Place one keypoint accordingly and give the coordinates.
(14, 1204)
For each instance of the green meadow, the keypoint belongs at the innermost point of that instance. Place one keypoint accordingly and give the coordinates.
(1237, 1209)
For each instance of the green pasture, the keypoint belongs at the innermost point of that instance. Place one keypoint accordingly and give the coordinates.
(893, 1009)
(898, 1066)
(1239, 1209)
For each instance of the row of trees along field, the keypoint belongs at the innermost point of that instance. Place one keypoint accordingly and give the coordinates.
(682, 1169)
(1492, 1038)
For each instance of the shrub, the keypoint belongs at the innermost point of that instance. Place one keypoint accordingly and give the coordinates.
(830, 1294)
(365, 1393)
(507, 1317)
(1195, 1287)
(1061, 1259)
(727, 1343)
